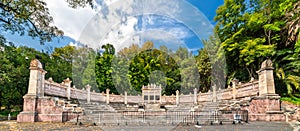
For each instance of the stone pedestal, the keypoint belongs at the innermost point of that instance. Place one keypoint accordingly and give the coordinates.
(36, 106)
(29, 113)
(266, 79)
(48, 111)
(266, 106)
(35, 90)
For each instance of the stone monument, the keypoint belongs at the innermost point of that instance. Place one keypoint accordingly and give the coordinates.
(266, 79)
(266, 106)
(35, 90)
(38, 107)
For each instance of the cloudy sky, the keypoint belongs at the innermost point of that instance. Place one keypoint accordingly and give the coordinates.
(171, 23)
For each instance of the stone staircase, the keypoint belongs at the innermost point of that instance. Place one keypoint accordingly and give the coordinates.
(181, 107)
(210, 113)
(185, 113)
(123, 107)
(92, 111)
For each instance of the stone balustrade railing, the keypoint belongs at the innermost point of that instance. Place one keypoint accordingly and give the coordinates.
(243, 90)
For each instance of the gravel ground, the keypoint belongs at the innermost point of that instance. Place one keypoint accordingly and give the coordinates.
(253, 126)
(46, 126)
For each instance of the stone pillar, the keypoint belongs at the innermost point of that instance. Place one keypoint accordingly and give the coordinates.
(267, 103)
(199, 96)
(36, 79)
(160, 94)
(125, 97)
(67, 83)
(143, 95)
(107, 96)
(234, 85)
(195, 96)
(214, 93)
(266, 80)
(177, 97)
(88, 93)
(35, 90)
(42, 89)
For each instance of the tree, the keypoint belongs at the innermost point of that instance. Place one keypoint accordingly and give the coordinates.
(62, 58)
(104, 68)
(204, 68)
(32, 18)
(251, 31)
(28, 17)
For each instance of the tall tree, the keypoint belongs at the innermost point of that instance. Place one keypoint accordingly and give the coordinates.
(252, 30)
(104, 68)
(32, 18)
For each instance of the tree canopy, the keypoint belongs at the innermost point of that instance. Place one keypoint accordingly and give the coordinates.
(251, 31)
(32, 18)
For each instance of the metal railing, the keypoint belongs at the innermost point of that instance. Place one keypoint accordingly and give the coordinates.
(168, 117)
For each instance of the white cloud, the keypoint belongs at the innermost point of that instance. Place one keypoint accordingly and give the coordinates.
(70, 20)
(72, 44)
(116, 22)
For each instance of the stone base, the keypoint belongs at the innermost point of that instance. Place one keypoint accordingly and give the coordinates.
(266, 117)
(27, 117)
(152, 107)
(50, 117)
(40, 109)
(265, 108)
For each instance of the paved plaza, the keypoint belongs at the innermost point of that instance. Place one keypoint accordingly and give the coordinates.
(46, 126)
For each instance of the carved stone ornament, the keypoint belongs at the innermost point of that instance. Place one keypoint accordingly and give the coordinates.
(267, 63)
(36, 64)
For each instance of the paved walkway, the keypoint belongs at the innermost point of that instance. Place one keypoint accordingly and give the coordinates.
(253, 126)
(46, 126)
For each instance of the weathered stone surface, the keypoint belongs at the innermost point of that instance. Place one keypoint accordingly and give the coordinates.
(266, 79)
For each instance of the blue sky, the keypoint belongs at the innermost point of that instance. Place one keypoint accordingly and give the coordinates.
(75, 21)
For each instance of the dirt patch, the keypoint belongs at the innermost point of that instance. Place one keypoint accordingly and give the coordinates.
(45, 126)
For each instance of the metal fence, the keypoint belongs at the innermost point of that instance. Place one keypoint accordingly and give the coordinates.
(168, 117)
(5, 118)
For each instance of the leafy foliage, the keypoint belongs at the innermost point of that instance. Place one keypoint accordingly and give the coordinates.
(251, 31)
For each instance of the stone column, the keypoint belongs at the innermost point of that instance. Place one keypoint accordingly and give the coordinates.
(214, 93)
(67, 83)
(35, 90)
(267, 87)
(160, 94)
(88, 93)
(195, 96)
(266, 80)
(107, 96)
(234, 85)
(177, 97)
(125, 97)
(42, 90)
(36, 79)
(143, 95)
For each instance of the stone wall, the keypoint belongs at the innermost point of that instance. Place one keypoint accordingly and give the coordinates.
(243, 90)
